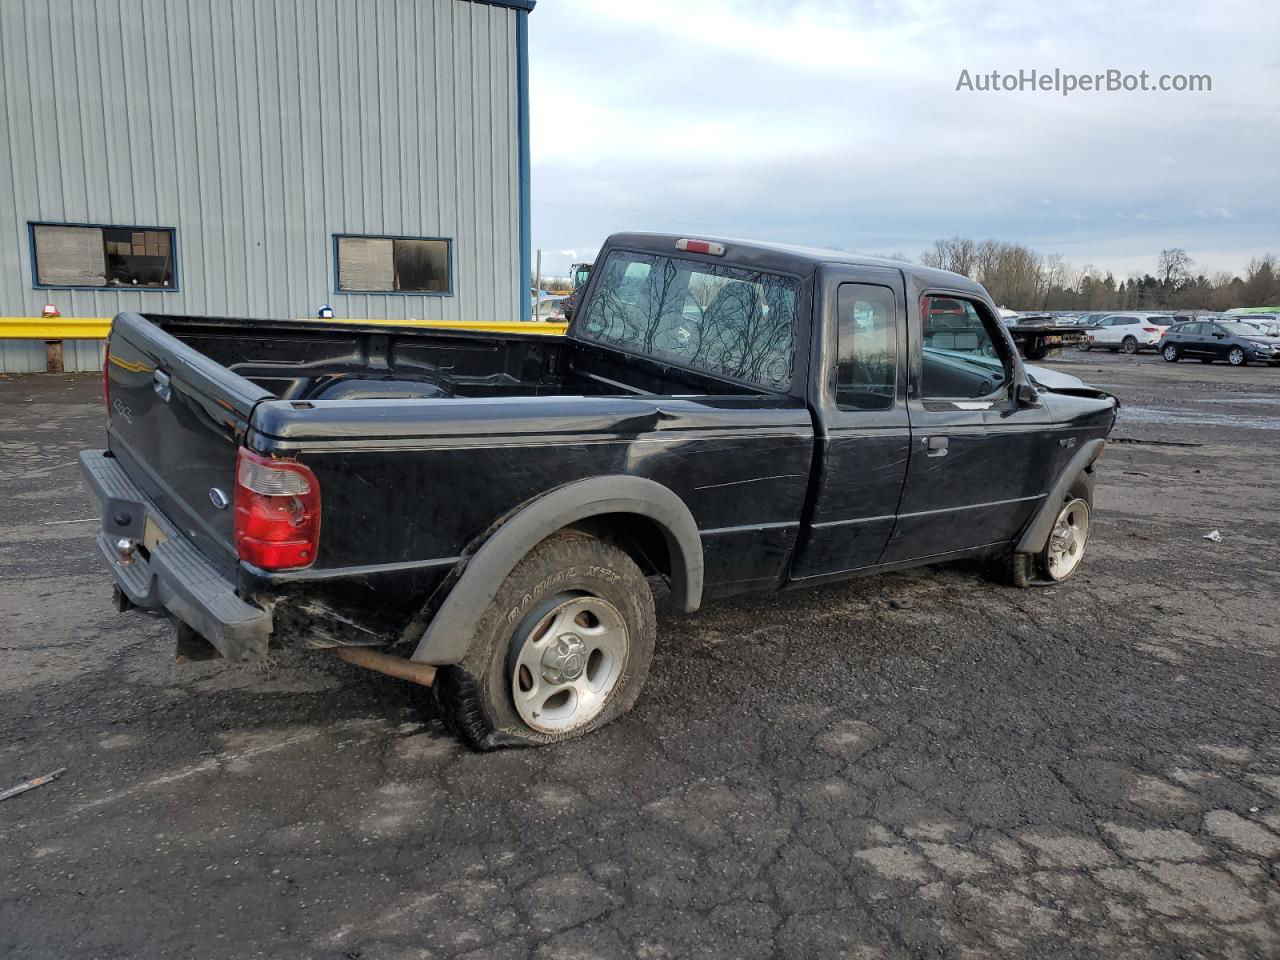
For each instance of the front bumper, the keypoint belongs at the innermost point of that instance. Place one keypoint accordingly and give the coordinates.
(174, 576)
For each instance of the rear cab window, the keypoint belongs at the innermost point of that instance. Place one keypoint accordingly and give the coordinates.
(725, 321)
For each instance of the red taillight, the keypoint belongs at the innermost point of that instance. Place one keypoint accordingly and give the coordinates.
(106, 376)
(277, 509)
(1151, 330)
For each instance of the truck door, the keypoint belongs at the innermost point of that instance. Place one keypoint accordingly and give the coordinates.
(859, 389)
(979, 460)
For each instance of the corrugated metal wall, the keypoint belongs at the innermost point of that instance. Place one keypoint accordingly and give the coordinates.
(259, 129)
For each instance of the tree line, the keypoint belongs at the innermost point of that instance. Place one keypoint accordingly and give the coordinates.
(1020, 278)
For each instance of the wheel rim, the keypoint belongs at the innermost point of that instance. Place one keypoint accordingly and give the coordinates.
(569, 664)
(1236, 356)
(1170, 353)
(1066, 544)
(1130, 346)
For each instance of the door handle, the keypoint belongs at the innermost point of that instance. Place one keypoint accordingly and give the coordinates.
(936, 446)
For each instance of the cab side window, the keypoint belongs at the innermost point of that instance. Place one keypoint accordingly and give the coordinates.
(961, 351)
(866, 347)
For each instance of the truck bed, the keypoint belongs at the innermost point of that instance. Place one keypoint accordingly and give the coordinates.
(308, 363)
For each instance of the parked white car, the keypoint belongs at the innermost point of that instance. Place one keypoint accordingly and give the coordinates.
(1128, 332)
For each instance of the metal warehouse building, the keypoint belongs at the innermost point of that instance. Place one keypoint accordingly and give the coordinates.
(262, 158)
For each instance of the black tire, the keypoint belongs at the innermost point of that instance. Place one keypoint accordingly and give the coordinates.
(1084, 346)
(1130, 345)
(476, 696)
(1171, 353)
(1237, 357)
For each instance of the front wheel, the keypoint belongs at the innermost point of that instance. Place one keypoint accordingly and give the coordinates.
(1084, 346)
(1129, 345)
(1171, 353)
(1236, 357)
(563, 649)
(1061, 556)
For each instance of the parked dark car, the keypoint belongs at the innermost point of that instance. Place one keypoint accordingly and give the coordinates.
(1236, 343)
(484, 512)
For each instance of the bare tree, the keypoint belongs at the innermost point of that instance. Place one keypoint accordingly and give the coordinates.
(1173, 266)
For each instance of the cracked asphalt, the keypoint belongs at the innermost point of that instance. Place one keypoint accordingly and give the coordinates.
(920, 764)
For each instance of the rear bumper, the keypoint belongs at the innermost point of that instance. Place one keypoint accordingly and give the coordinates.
(175, 576)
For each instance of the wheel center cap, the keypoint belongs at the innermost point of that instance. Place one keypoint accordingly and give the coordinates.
(565, 659)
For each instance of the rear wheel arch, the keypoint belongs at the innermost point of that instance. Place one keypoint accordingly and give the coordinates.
(642, 517)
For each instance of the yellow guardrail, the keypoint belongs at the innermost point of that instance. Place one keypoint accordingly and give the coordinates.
(96, 328)
(56, 328)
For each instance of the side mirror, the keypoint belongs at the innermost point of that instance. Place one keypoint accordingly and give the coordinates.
(1026, 395)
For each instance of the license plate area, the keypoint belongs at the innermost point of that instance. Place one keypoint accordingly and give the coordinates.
(152, 535)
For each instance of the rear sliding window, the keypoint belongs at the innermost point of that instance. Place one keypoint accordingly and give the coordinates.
(721, 320)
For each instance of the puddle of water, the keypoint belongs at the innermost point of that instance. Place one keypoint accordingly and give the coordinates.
(1153, 415)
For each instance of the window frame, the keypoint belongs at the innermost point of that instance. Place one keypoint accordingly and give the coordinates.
(1003, 394)
(175, 287)
(339, 290)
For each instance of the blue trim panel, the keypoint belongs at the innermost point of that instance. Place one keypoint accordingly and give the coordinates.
(337, 279)
(35, 277)
(526, 212)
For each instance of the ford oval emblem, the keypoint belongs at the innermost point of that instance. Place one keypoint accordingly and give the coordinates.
(219, 498)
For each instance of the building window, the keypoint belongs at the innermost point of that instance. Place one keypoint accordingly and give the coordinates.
(102, 257)
(393, 265)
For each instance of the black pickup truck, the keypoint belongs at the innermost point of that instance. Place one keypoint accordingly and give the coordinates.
(488, 513)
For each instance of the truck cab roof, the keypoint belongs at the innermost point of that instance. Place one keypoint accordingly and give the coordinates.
(787, 258)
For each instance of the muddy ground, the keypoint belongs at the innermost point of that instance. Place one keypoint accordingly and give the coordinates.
(916, 765)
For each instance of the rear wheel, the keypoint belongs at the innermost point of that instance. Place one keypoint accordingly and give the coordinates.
(1129, 345)
(1084, 346)
(1171, 353)
(563, 649)
(1236, 357)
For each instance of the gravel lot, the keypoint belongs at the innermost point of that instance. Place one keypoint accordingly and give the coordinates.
(919, 764)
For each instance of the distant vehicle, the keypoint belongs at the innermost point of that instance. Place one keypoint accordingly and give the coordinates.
(1089, 319)
(1129, 332)
(579, 274)
(550, 308)
(1229, 340)
(1260, 320)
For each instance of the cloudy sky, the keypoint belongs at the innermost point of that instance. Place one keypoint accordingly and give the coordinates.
(837, 123)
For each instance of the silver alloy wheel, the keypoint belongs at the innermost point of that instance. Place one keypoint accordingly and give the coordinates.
(1130, 345)
(1235, 357)
(1065, 548)
(1171, 353)
(569, 665)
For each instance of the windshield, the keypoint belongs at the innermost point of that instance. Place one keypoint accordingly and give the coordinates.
(722, 320)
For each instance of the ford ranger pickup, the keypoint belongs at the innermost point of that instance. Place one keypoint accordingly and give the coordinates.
(491, 514)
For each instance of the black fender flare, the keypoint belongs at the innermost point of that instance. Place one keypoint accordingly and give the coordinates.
(448, 636)
(1037, 533)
